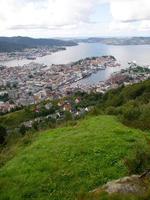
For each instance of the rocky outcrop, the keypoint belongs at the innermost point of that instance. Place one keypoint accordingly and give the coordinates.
(135, 184)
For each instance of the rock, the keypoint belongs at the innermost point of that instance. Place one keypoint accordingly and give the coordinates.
(135, 184)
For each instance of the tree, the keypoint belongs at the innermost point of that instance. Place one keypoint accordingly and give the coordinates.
(35, 125)
(3, 134)
(68, 116)
(23, 129)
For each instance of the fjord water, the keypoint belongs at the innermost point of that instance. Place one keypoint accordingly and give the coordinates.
(123, 54)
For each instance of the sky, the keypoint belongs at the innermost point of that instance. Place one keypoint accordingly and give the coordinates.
(74, 18)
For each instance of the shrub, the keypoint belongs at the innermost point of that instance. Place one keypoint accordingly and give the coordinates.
(3, 134)
(23, 129)
(95, 111)
(131, 112)
(112, 111)
(145, 117)
(139, 162)
(35, 125)
(68, 116)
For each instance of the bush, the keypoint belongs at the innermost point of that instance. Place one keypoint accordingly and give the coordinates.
(112, 111)
(3, 134)
(96, 111)
(68, 116)
(137, 116)
(133, 91)
(140, 162)
(35, 125)
(145, 117)
(131, 112)
(23, 129)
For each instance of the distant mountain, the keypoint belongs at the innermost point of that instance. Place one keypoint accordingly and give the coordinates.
(8, 44)
(118, 41)
(9, 47)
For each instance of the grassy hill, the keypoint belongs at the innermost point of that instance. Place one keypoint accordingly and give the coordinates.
(65, 162)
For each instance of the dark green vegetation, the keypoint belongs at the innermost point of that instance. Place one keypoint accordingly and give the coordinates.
(13, 119)
(131, 104)
(10, 47)
(9, 44)
(4, 97)
(66, 162)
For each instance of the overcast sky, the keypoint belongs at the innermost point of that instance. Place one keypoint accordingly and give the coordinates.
(74, 18)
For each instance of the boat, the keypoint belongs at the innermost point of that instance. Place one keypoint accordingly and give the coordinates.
(31, 57)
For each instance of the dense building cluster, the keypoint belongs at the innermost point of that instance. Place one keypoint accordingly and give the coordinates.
(131, 75)
(34, 82)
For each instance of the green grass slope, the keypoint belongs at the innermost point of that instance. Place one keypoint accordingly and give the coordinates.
(62, 163)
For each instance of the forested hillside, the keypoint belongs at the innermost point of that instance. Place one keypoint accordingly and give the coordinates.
(8, 44)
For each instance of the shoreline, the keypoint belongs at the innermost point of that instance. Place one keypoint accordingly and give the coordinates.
(31, 57)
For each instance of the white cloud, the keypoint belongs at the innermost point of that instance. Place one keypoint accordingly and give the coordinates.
(130, 17)
(46, 13)
(130, 10)
(48, 18)
(124, 29)
(145, 26)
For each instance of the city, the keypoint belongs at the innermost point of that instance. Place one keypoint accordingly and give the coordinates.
(35, 82)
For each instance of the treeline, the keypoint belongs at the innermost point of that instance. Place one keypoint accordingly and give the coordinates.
(10, 47)
(131, 104)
